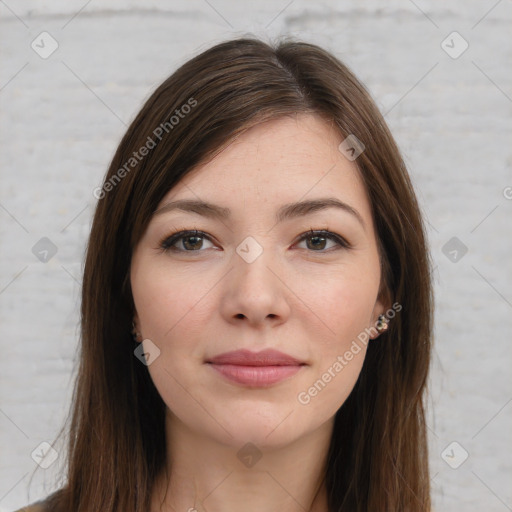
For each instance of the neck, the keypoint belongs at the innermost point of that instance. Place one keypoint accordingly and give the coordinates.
(204, 475)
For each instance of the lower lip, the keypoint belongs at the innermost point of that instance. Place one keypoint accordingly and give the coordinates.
(257, 376)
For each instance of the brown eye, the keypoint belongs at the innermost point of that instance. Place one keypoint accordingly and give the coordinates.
(316, 241)
(190, 241)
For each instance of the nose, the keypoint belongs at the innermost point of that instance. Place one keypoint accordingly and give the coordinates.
(255, 292)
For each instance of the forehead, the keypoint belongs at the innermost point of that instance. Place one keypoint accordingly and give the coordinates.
(278, 161)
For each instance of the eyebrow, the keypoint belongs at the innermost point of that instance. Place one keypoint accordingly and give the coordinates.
(285, 212)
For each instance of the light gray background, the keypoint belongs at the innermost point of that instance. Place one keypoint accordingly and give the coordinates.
(63, 116)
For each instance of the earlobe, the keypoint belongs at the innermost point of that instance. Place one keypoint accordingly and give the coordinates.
(381, 325)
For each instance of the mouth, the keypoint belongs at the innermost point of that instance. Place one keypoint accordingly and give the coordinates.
(255, 369)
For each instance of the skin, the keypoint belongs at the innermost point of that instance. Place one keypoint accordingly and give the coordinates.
(309, 301)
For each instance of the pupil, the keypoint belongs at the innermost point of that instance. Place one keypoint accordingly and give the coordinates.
(195, 245)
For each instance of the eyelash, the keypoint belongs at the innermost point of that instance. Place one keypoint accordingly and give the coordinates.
(166, 245)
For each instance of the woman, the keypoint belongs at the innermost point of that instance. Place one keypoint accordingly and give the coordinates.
(256, 303)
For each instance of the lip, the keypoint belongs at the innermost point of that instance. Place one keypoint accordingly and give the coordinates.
(256, 369)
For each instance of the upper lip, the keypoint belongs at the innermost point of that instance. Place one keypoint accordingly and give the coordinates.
(267, 357)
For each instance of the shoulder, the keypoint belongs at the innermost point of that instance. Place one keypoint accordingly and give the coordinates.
(34, 507)
(49, 503)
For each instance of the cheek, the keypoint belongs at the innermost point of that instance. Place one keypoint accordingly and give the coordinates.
(343, 303)
(170, 320)
(352, 313)
(167, 303)
(172, 314)
(332, 384)
(339, 358)
(345, 307)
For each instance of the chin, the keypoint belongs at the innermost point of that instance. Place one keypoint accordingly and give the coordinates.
(265, 427)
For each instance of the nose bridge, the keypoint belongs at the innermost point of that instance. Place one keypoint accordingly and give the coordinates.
(252, 260)
(250, 250)
(255, 290)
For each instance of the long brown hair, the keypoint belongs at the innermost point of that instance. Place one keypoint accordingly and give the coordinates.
(378, 457)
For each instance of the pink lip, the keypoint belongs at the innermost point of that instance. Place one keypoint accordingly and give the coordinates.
(258, 369)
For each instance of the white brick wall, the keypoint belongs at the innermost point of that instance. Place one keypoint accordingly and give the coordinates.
(63, 116)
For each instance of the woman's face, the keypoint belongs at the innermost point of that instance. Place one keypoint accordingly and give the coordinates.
(248, 283)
